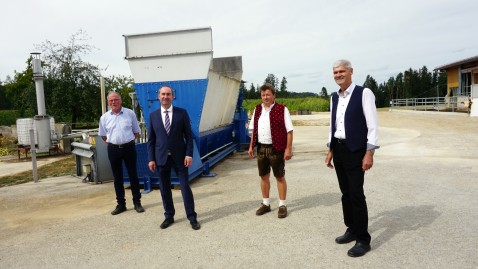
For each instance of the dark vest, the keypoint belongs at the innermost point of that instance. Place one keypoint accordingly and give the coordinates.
(278, 130)
(355, 123)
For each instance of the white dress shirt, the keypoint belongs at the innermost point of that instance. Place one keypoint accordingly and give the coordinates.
(119, 128)
(369, 111)
(264, 135)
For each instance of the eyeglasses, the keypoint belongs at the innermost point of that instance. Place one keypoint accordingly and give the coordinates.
(113, 100)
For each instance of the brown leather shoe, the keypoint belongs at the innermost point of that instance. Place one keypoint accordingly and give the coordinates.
(282, 212)
(263, 209)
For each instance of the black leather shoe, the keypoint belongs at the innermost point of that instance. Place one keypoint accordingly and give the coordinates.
(138, 207)
(346, 238)
(119, 209)
(195, 225)
(359, 250)
(166, 223)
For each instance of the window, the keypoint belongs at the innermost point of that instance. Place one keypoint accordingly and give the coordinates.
(465, 89)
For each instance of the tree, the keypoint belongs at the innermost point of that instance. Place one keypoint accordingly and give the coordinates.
(20, 91)
(442, 83)
(121, 84)
(252, 93)
(371, 83)
(283, 88)
(272, 79)
(73, 84)
(323, 93)
(380, 92)
(425, 83)
(399, 86)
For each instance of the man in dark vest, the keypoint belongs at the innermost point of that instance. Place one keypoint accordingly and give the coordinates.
(353, 139)
(272, 134)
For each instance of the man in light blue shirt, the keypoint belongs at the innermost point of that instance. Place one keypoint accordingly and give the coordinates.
(119, 128)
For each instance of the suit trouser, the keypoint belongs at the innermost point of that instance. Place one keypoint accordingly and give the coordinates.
(165, 187)
(116, 156)
(348, 167)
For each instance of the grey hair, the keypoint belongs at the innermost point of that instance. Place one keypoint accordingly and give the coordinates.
(113, 93)
(345, 63)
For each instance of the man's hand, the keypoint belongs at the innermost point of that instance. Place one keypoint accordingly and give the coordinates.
(287, 154)
(251, 152)
(188, 161)
(152, 166)
(328, 159)
(367, 161)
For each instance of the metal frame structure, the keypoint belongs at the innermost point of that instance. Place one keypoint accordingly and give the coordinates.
(207, 87)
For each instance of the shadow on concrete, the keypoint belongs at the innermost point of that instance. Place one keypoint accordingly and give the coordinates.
(222, 212)
(312, 201)
(408, 218)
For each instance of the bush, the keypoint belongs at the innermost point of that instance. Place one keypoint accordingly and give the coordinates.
(8, 117)
(8, 146)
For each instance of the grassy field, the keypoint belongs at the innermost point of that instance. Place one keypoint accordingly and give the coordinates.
(316, 104)
(62, 167)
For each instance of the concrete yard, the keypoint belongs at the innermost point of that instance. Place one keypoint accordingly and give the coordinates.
(422, 194)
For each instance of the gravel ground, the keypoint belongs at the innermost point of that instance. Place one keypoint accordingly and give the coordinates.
(421, 192)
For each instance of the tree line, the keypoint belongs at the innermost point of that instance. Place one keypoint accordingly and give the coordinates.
(411, 83)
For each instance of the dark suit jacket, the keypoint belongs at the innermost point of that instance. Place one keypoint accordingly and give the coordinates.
(179, 142)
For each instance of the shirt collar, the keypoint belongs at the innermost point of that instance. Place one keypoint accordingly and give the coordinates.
(348, 91)
(112, 113)
(264, 107)
(169, 109)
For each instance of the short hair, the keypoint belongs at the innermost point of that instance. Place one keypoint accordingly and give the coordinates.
(345, 63)
(113, 92)
(166, 86)
(267, 86)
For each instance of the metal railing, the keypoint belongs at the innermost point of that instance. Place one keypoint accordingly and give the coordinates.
(427, 104)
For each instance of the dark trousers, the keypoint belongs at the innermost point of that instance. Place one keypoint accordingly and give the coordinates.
(117, 155)
(165, 187)
(348, 166)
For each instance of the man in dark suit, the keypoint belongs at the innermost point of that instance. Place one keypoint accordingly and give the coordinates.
(170, 146)
(353, 139)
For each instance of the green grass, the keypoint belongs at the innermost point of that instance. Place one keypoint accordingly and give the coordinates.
(316, 104)
(62, 167)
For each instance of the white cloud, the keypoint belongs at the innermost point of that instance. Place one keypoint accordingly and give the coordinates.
(296, 39)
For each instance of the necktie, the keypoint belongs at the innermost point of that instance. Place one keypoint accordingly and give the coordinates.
(167, 123)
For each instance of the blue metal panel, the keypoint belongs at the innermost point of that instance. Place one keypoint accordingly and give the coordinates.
(142, 168)
(146, 177)
(216, 138)
(189, 94)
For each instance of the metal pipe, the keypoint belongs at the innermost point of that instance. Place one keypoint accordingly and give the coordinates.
(82, 145)
(34, 156)
(218, 149)
(103, 101)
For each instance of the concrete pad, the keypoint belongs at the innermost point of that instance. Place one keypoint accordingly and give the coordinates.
(421, 193)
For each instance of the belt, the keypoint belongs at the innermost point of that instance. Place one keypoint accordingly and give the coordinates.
(122, 145)
(265, 145)
(340, 140)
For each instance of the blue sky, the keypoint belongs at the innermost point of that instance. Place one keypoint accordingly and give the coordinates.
(297, 39)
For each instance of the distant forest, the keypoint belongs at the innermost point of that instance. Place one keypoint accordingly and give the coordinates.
(410, 83)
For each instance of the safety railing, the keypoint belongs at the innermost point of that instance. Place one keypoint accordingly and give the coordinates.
(426, 104)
